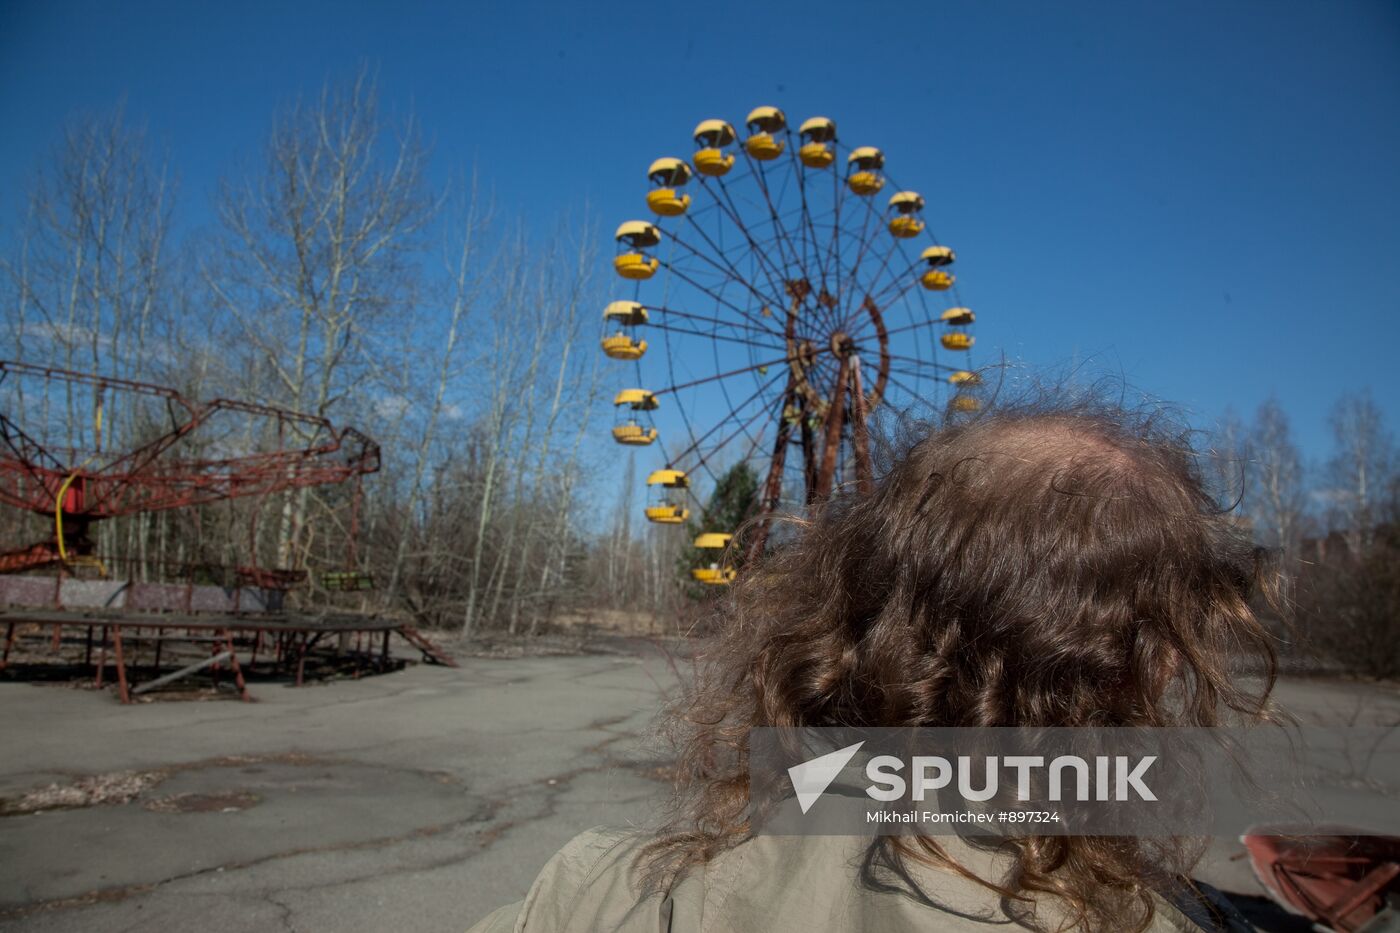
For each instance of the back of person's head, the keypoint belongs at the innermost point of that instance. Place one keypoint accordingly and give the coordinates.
(1041, 565)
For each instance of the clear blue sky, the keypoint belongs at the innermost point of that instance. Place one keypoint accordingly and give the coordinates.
(1204, 196)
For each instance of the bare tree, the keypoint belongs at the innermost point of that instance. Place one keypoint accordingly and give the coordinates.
(534, 382)
(319, 252)
(1349, 601)
(1276, 499)
(464, 272)
(91, 267)
(89, 284)
(1228, 462)
(567, 387)
(501, 370)
(1361, 467)
(316, 293)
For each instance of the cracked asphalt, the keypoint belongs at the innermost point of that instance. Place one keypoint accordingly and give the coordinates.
(419, 800)
(416, 801)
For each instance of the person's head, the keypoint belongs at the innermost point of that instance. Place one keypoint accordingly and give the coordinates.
(1037, 566)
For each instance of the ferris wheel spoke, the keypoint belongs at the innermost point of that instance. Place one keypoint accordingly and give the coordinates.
(799, 259)
(730, 272)
(732, 212)
(904, 281)
(841, 191)
(734, 414)
(743, 429)
(922, 337)
(852, 279)
(922, 362)
(874, 292)
(905, 369)
(733, 372)
(806, 224)
(906, 388)
(744, 330)
(685, 418)
(866, 323)
(732, 275)
(757, 439)
(719, 299)
(757, 246)
(931, 323)
(754, 441)
(878, 293)
(709, 319)
(791, 358)
(833, 256)
(919, 376)
(748, 330)
(761, 176)
(711, 335)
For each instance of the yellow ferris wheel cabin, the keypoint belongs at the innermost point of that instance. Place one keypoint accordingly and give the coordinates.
(668, 174)
(964, 378)
(716, 540)
(958, 317)
(764, 123)
(625, 313)
(637, 400)
(632, 434)
(668, 508)
(818, 137)
(937, 259)
(965, 403)
(906, 207)
(629, 402)
(864, 175)
(633, 237)
(670, 479)
(622, 345)
(714, 576)
(956, 340)
(712, 137)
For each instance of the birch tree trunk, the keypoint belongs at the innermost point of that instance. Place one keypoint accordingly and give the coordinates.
(1362, 468)
(318, 255)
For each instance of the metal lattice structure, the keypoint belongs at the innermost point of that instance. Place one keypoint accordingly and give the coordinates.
(784, 289)
(79, 449)
(58, 458)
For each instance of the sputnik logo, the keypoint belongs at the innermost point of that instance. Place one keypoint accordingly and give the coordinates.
(811, 778)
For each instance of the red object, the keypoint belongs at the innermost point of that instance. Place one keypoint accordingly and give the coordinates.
(196, 459)
(1339, 880)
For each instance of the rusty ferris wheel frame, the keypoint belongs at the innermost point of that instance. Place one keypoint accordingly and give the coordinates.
(784, 249)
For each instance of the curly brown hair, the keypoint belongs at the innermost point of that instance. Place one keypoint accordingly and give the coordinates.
(1040, 565)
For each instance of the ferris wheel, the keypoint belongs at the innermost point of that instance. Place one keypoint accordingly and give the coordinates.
(782, 290)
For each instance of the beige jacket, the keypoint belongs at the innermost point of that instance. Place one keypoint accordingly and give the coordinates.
(769, 884)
